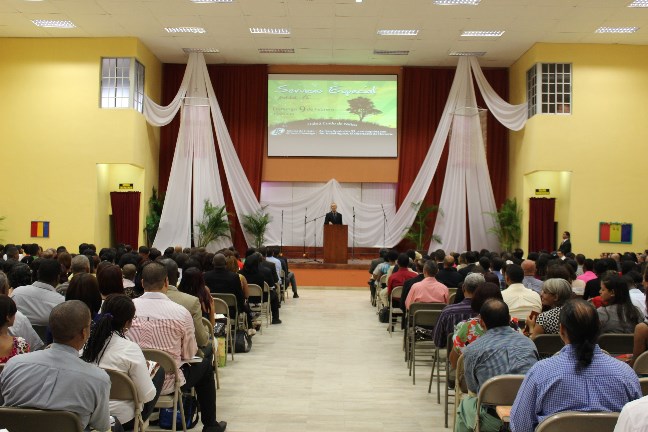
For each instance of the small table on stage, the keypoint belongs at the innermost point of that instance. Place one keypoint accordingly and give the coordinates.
(335, 244)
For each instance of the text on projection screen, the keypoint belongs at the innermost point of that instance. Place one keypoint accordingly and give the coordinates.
(332, 115)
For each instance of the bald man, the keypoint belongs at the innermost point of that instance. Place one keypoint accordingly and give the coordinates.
(333, 217)
(530, 281)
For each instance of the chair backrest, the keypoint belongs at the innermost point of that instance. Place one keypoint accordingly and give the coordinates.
(548, 344)
(397, 292)
(207, 324)
(641, 364)
(616, 343)
(499, 390)
(452, 290)
(29, 420)
(230, 299)
(643, 382)
(122, 387)
(571, 420)
(165, 361)
(266, 287)
(255, 290)
(425, 306)
(383, 280)
(220, 307)
(426, 317)
(461, 375)
(452, 297)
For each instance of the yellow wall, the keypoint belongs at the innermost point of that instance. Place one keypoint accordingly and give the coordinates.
(53, 135)
(602, 143)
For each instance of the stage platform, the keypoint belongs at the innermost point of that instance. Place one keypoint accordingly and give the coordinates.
(310, 273)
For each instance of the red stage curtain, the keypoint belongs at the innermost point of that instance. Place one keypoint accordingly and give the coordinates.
(425, 92)
(541, 224)
(242, 96)
(125, 210)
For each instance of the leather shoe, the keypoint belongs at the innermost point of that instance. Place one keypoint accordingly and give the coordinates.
(276, 321)
(295, 295)
(220, 427)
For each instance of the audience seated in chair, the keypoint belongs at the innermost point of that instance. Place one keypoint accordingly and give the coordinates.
(580, 378)
(618, 315)
(256, 274)
(10, 346)
(429, 290)
(56, 378)
(520, 300)
(79, 264)
(397, 278)
(222, 281)
(453, 314)
(21, 326)
(37, 300)
(164, 325)
(448, 274)
(108, 348)
(555, 292)
(500, 350)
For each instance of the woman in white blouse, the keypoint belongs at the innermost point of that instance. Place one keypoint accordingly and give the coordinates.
(109, 349)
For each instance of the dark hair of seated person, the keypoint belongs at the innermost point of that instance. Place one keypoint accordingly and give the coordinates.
(193, 283)
(7, 309)
(483, 293)
(110, 280)
(495, 313)
(116, 312)
(84, 287)
(580, 321)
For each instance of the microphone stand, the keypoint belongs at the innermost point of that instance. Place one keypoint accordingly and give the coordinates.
(384, 225)
(305, 218)
(315, 236)
(281, 236)
(353, 236)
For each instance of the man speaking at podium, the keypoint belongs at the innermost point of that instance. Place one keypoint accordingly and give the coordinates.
(333, 217)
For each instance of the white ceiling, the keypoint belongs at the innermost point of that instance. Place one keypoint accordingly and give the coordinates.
(333, 31)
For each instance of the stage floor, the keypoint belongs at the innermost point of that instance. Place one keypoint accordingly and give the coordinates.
(309, 273)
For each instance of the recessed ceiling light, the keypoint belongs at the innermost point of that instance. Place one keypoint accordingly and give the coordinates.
(482, 33)
(638, 3)
(398, 32)
(467, 53)
(276, 50)
(200, 50)
(616, 29)
(274, 31)
(64, 24)
(198, 30)
(390, 52)
(456, 2)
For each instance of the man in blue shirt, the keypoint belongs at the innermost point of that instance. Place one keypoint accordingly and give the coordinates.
(580, 378)
(499, 351)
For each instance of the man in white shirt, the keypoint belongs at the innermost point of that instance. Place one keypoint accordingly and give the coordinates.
(521, 301)
(37, 300)
(634, 416)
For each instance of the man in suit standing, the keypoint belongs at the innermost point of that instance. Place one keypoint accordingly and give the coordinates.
(333, 217)
(565, 246)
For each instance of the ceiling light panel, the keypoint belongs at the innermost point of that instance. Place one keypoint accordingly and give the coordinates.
(482, 33)
(623, 30)
(467, 53)
(276, 50)
(272, 31)
(639, 4)
(63, 24)
(391, 52)
(398, 32)
(200, 50)
(456, 2)
(195, 30)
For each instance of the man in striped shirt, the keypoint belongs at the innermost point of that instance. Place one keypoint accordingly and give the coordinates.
(164, 325)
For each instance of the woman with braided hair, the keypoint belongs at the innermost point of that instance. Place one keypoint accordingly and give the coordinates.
(109, 349)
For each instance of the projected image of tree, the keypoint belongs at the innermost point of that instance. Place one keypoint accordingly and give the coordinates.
(362, 107)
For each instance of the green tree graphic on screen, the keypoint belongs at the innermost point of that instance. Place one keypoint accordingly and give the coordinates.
(362, 107)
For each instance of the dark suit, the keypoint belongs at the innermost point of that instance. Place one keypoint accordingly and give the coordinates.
(334, 218)
(223, 281)
(450, 277)
(565, 247)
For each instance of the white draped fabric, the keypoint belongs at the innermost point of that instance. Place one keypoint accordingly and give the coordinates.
(372, 222)
(194, 155)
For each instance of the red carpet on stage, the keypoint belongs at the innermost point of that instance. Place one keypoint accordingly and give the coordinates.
(349, 276)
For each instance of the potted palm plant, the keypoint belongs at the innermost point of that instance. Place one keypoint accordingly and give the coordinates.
(508, 224)
(256, 224)
(155, 205)
(213, 225)
(416, 232)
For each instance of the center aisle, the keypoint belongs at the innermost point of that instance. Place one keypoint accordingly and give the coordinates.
(331, 366)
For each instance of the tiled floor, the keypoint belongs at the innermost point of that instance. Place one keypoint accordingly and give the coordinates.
(331, 366)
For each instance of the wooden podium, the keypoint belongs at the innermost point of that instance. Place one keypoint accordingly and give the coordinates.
(335, 244)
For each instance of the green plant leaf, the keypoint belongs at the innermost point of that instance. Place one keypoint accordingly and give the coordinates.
(256, 225)
(213, 225)
(508, 224)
